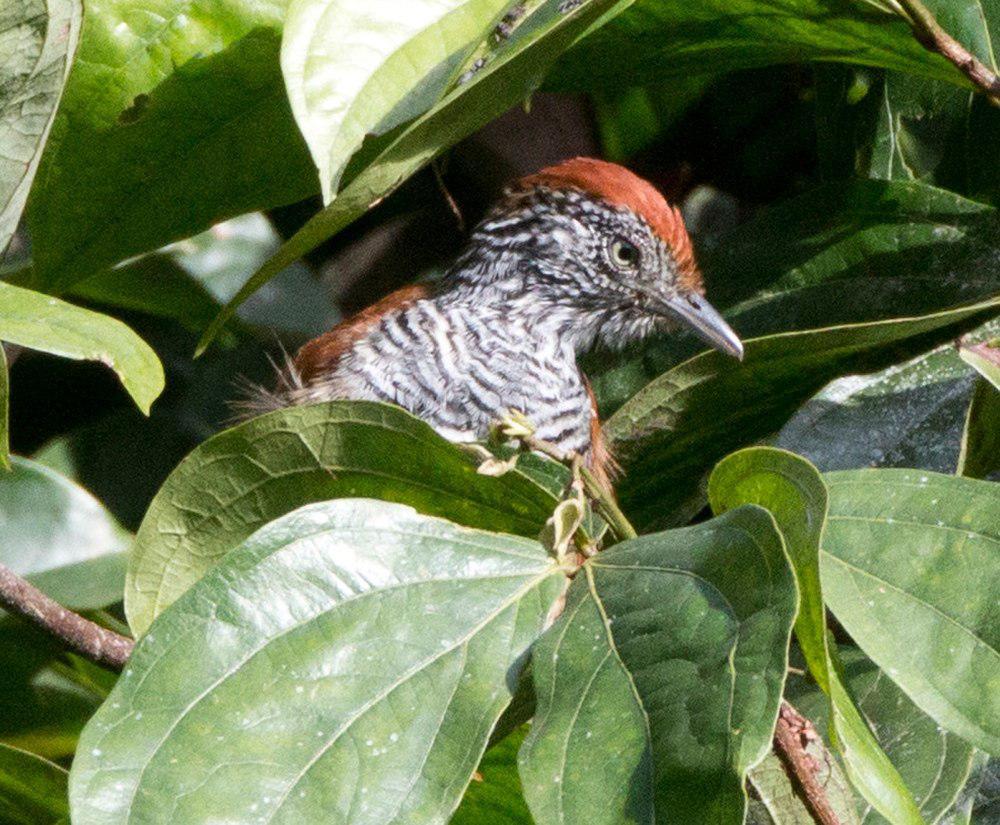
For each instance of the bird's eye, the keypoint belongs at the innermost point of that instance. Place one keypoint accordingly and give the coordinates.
(625, 254)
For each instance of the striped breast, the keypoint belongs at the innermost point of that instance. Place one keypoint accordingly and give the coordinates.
(456, 365)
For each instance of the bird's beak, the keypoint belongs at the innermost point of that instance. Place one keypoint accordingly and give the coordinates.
(704, 320)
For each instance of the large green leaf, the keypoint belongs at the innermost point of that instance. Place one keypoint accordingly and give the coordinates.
(60, 537)
(244, 477)
(794, 493)
(174, 117)
(659, 685)
(37, 41)
(934, 764)
(669, 434)
(507, 73)
(909, 415)
(34, 320)
(910, 568)
(348, 662)
(32, 789)
(354, 70)
(660, 39)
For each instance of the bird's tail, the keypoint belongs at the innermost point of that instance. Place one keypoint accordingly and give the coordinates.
(255, 399)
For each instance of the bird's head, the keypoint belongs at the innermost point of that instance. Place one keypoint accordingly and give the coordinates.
(596, 247)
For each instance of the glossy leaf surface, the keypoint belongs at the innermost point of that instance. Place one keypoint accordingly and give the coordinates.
(356, 70)
(37, 321)
(659, 685)
(349, 660)
(37, 41)
(910, 569)
(249, 475)
(794, 493)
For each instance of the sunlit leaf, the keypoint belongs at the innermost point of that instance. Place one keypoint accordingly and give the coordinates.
(249, 475)
(37, 41)
(510, 72)
(794, 493)
(910, 569)
(348, 661)
(34, 320)
(354, 70)
(659, 685)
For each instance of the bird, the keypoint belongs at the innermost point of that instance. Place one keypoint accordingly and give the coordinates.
(581, 253)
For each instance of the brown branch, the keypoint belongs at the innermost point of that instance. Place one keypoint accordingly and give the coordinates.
(791, 737)
(931, 36)
(82, 636)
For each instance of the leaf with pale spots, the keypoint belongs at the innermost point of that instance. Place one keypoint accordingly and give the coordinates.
(244, 477)
(347, 662)
(911, 568)
(659, 685)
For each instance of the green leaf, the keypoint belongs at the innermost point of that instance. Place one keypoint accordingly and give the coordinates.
(979, 456)
(908, 415)
(661, 39)
(782, 799)
(910, 569)
(174, 117)
(249, 475)
(669, 434)
(791, 489)
(348, 661)
(984, 357)
(509, 74)
(659, 685)
(32, 789)
(37, 41)
(933, 763)
(37, 321)
(60, 537)
(390, 64)
(495, 796)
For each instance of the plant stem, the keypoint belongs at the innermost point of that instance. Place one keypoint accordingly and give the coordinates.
(601, 496)
(604, 501)
(932, 37)
(82, 636)
(791, 736)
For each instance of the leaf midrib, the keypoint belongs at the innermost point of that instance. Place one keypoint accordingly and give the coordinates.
(533, 581)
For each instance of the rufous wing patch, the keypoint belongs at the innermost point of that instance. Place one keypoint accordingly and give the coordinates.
(621, 187)
(602, 462)
(321, 354)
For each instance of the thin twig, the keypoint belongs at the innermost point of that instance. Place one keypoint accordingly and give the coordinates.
(791, 737)
(82, 636)
(448, 198)
(601, 496)
(931, 36)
